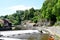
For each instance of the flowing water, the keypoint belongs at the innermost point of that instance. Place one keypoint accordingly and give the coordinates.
(25, 34)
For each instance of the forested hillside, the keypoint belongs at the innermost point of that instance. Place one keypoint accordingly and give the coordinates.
(50, 11)
(20, 15)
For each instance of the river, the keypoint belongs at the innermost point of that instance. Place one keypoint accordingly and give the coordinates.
(24, 34)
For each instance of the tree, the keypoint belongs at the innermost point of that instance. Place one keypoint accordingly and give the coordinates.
(50, 10)
(26, 13)
(31, 13)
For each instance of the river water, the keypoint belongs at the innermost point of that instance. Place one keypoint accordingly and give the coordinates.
(28, 34)
(25, 34)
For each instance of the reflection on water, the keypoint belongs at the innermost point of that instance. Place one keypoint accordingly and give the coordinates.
(44, 37)
(41, 37)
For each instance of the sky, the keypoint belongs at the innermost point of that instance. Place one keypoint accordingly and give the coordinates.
(8, 7)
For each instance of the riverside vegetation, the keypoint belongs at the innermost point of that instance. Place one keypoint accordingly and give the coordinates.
(50, 11)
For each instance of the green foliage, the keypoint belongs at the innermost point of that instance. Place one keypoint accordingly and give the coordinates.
(21, 15)
(50, 11)
(35, 19)
(26, 14)
(1, 25)
(31, 13)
